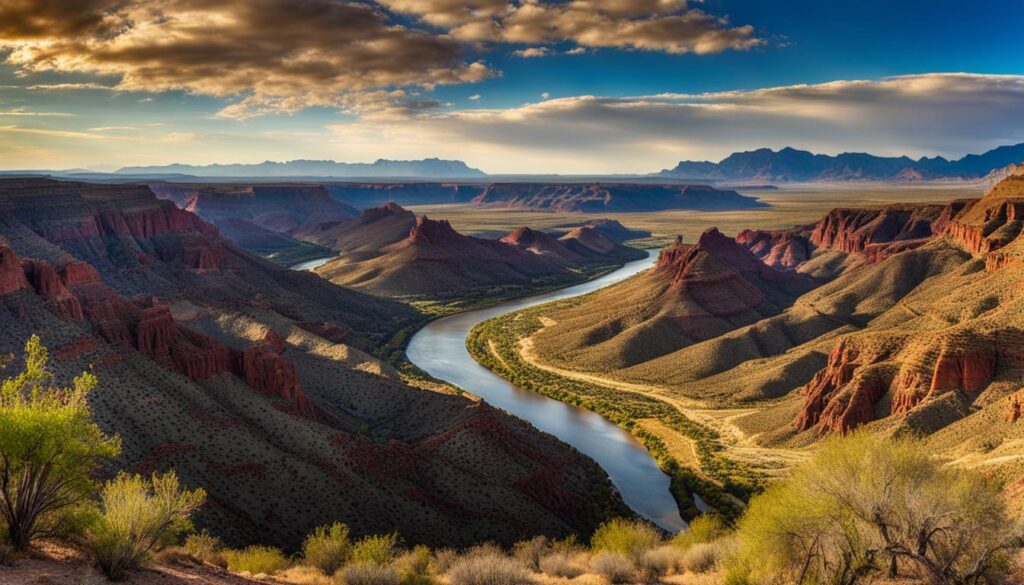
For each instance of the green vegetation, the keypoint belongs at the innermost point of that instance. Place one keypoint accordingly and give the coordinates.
(256, 560)
(631, 538)
(494, 344)
(375, 549)
(49, 449)
(865, 506)
(327, 548)
(295, 253)
(138, 516)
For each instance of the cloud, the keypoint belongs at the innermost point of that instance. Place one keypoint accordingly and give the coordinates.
(532, 52)
(475, 97)
(69, 87)
(545, 95)
(268, 55)
(653, 25)
(577, 51)
(30, 114)
(948, 114)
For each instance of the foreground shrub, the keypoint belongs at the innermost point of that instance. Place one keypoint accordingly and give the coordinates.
(327, 548)
(702, 557)
(488, 569)
(49, 449)
(375, 550)
(864, 506)
(204, 547)
(443, 559)
(529, 552)
(414, 566)
(560, 564)
(627, 537)
(703, 528)
(369, 574)
(663, 560)
(616, 567)
(137, 517)
(256, 560)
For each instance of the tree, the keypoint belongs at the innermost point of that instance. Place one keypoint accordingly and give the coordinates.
(138, 516)
(49, 449)
(863, 505)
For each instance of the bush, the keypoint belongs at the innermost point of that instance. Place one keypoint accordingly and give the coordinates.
(703, 528)
(327, 548)
(560, 564)
(137, 517)
(663, 560)
(488, 569)
(375, 550)
(49, 448)
(529, 552)
(256, 560)
(864, 505)
(443, 559)
(616, 567)
(369, 574)
(204, 546)
(701, 557)
(627, 537)
(414, 566)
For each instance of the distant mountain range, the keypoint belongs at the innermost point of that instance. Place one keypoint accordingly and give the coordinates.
(426, 168)
(792, 165)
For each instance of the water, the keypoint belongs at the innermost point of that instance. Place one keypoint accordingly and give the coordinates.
(311, 264)
(440, 350)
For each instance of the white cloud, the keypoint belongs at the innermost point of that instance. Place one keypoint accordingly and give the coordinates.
(545, 95)
(475, 97)
(532, 52)
(69, 87)
(948, 114)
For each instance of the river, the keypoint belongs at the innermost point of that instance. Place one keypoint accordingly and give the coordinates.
(440, 350)
(311, 264)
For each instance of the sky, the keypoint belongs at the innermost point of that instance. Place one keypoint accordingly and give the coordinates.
(508, 86)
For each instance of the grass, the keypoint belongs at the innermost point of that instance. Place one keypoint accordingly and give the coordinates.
(494, 344)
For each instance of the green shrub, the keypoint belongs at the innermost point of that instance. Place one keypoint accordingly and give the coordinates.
(488, 569)
(375, 550)
(414, 566)
(137, 517)
(49, 449)
(863, 506)
(369, 574)
(627, 537)
(703, 528)
(256, 560)
(203, 546)
(327, 548)
(614, 566)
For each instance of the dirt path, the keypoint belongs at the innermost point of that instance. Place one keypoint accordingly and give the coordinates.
(739, 444)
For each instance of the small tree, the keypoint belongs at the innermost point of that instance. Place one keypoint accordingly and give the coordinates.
(139, 516)
(864, 505)
(49, 449)
(627, 537)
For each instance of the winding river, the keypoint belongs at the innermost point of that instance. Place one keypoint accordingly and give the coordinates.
(440, 350)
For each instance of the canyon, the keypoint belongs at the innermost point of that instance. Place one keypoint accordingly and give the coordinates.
(260, 384)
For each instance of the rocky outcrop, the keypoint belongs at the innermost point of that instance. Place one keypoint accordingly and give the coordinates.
(12, 277)
(876, 233)
(48, 284)
(844, 394)
(432, 232)
(786, 249)
(329, 331)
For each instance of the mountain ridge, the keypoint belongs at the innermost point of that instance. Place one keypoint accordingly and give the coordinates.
(427, 167)
(792, 165)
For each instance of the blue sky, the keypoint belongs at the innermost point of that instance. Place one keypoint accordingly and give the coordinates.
(649, 82)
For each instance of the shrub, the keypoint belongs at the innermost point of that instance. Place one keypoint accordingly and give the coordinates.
(663, 560)
(414, 566)
(616, 567)
(204, 547)
(488, 569)
(369, 574)
(703, 528)
(627, 537)
(327, 548)
(137, 517)
(529, 552)
(560, 564)
(375, 550)
(49, 448)
(256, 560)
(862, 505)
(443, 559)
(701, 557)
